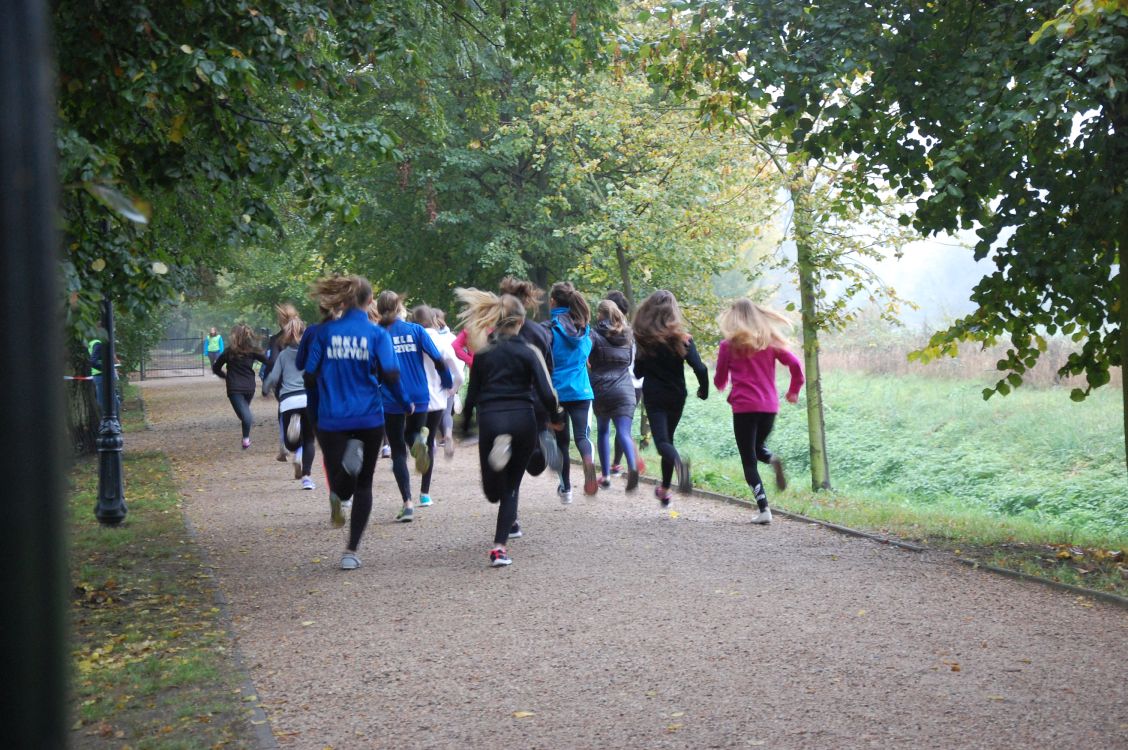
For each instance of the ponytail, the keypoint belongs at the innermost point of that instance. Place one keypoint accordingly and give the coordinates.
(484, 312)
(566, 295)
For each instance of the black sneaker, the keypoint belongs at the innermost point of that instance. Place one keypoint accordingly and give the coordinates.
(632, 480)
(780, 478)
(605, 483)
(681, 466)
(663, 495)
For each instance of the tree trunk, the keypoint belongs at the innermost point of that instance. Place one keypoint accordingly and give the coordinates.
(625, 275)
(816, 421)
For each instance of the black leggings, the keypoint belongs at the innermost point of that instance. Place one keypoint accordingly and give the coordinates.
(306, 441)
(241, 403)
(578, 416)
(751, 430)
(402, 429)
(345, 486)
(664, 420)
(434, 420)
(503, 486)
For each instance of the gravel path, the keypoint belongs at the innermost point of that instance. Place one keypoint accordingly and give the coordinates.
(618, 625)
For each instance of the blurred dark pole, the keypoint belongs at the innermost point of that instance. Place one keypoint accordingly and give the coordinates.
(110, 508)
(32, 536)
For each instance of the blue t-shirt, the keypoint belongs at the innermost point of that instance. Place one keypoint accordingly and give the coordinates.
(353, 360)
(411, 342)
(570, 350)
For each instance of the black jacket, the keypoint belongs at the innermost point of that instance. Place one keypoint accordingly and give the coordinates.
(664, 373)
(508, 374)
(240, 375)
(610, 362)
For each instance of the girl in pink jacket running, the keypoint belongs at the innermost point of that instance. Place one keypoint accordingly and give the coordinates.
(754, 342)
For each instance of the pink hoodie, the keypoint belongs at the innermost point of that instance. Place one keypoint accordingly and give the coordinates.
(753, 378)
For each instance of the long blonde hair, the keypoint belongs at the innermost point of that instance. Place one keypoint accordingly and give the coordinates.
(389, 304)
(484, 312)
(292, 331)
(616, 322)
(750, 328)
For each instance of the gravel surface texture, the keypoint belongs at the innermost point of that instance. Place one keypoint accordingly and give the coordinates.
(619, 625)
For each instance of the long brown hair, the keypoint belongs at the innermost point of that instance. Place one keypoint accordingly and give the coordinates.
(336, 294)
(563, 294)
(424, 316)
(750, 328)
(243, 340)
(530, 295)
(658, 323)
(389, 304)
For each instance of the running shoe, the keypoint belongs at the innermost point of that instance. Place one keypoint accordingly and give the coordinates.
(632, 480)
(605, 483)
(448, 446)
(470, 440)
(663, 495)
(551, 451)
(616, 470)
(499, 558)
(294, 429)
(565, 495)
(425, 501)
(346, 505)
(336, 516)
(307, 483)
(349, 561)
(681, 466)
(515, 531)
(780, 478)
(419, 452)
(763, 517)
(353, 458)
(406, 514)
(386, 451)
(591, 484)
(297, 467)
(247, 444)
(500, 452)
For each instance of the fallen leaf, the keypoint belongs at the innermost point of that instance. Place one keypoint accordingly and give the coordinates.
(674, 727)
(523, 714)
(861, 613)
(307, 623)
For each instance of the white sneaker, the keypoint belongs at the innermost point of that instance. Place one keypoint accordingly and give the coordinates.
(565, 495)
(500, 452)
(349, 561)
(294, 429)
(386, 451)
(763, 517)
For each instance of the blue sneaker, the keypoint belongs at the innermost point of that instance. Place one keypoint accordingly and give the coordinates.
(406, 514)
(425, 500)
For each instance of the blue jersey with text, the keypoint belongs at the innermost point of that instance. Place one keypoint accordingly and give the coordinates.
(411, 343)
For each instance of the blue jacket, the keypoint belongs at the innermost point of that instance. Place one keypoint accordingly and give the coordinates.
(411, 341)
(353, 360)
(570, 350)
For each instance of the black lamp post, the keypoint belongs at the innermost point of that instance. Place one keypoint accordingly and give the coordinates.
(110, 509)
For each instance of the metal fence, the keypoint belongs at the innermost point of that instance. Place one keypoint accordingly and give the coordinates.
(175, 358)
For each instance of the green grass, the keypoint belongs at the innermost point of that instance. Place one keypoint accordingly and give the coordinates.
(151, 658)
(1018, 478)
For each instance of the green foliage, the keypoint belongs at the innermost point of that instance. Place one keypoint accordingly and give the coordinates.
(222, 114)
(930, 444)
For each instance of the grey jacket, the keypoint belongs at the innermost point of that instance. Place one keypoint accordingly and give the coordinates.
(285, 375)
(610, 363)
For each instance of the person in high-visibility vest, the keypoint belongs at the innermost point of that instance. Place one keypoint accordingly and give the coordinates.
(94, 352)
(213, 345)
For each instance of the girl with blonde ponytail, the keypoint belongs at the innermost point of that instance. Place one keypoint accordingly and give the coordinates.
(506, 377)
(754, 341)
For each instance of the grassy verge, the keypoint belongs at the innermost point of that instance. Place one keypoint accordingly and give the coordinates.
(1032, 482)
(151, 662)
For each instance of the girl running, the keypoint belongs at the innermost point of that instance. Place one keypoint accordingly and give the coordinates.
(404, 427)
(620, 301)
(353, 362)
(439, 396)
(284, 313)
(447, 337)
(506, 374)
(754, 341)
(610, 361)
(289, 380)
(663, 348)
(239, 359)
(571, 345)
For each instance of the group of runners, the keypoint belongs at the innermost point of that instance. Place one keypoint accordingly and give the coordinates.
(372, 371)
